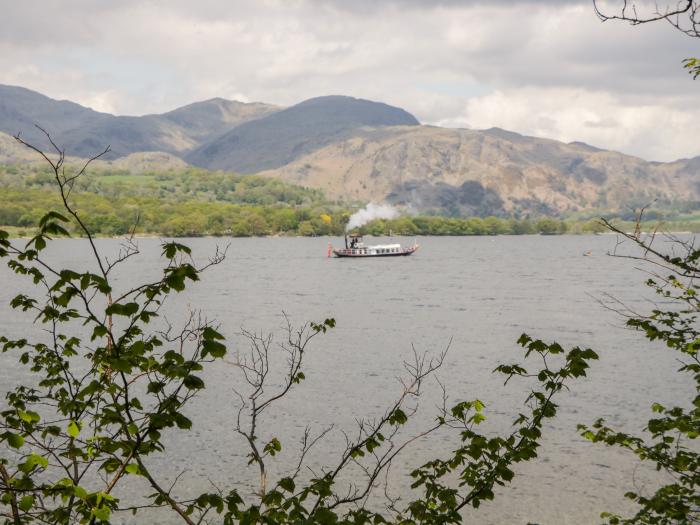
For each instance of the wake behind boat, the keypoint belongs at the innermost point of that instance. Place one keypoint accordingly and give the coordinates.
(355, 247)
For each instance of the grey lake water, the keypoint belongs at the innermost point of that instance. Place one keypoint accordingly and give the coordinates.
(475, 294)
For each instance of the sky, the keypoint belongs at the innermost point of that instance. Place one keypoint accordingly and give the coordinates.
(547, 68)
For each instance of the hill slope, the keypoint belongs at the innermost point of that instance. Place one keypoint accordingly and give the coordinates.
(487, 172)
(13, 153)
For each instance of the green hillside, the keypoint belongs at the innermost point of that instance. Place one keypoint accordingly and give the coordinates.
(177, 202)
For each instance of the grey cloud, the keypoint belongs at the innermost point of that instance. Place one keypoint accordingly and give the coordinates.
(428, 57)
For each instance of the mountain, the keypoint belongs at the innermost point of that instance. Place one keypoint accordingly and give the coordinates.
(360, 150)
(284, 136)
(487, 172)
(21, 109)
(204, 120)
(84, 132)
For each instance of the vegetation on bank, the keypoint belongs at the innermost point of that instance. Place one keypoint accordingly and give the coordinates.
(195, 202)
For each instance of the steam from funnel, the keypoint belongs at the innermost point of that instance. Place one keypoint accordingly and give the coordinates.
(369, 213)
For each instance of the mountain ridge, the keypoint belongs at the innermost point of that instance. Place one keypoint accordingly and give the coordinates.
(277, 139)
(360, 150)
(461, 172)
(84, 131)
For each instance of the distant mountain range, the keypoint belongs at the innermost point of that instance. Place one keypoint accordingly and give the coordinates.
(84, 132)
(360, 150)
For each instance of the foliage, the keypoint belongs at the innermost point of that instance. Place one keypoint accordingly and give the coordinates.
(195, 202)
(693, 66)
(118, 215)
(172, 185)
(432, 225)
(190, 202)
(670, 436)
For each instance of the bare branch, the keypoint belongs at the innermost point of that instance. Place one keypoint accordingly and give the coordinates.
(684, 15)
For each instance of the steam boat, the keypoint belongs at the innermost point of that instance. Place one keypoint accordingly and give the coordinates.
(354, 247)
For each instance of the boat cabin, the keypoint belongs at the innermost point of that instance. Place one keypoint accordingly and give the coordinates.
(353, 241)
(355, 247)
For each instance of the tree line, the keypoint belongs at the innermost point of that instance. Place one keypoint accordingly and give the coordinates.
(21, 210)
(194, 202)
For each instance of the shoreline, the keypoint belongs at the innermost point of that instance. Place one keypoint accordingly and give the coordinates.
(278, 236)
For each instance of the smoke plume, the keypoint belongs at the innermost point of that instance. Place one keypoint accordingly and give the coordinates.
(369, 213)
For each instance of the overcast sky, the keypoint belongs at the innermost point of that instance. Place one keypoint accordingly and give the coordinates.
(548, 68)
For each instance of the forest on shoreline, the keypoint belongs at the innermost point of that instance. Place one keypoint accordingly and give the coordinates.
(195, 202)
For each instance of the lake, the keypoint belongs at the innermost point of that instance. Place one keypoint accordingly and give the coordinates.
(476, 294)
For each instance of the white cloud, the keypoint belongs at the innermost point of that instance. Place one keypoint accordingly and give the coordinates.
(598, 118)
(436, 60)
(104, 101)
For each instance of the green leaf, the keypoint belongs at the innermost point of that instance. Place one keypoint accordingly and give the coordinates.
(183, 422)
(210, 334)
(213, 348)
(273, 447)
(171, 249)
(477, 418)
(26, 503)
(98, 331)
(193, 383)
(52, 215)
(33, 460)
(371, 444)
(287, 484)
(693, 66)
(132, 468)
(73, 429)
(127, 309)
(28, 417)
(39, 242)
(398, 417)
(101, 513)
(14, 440)
(120, 365)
